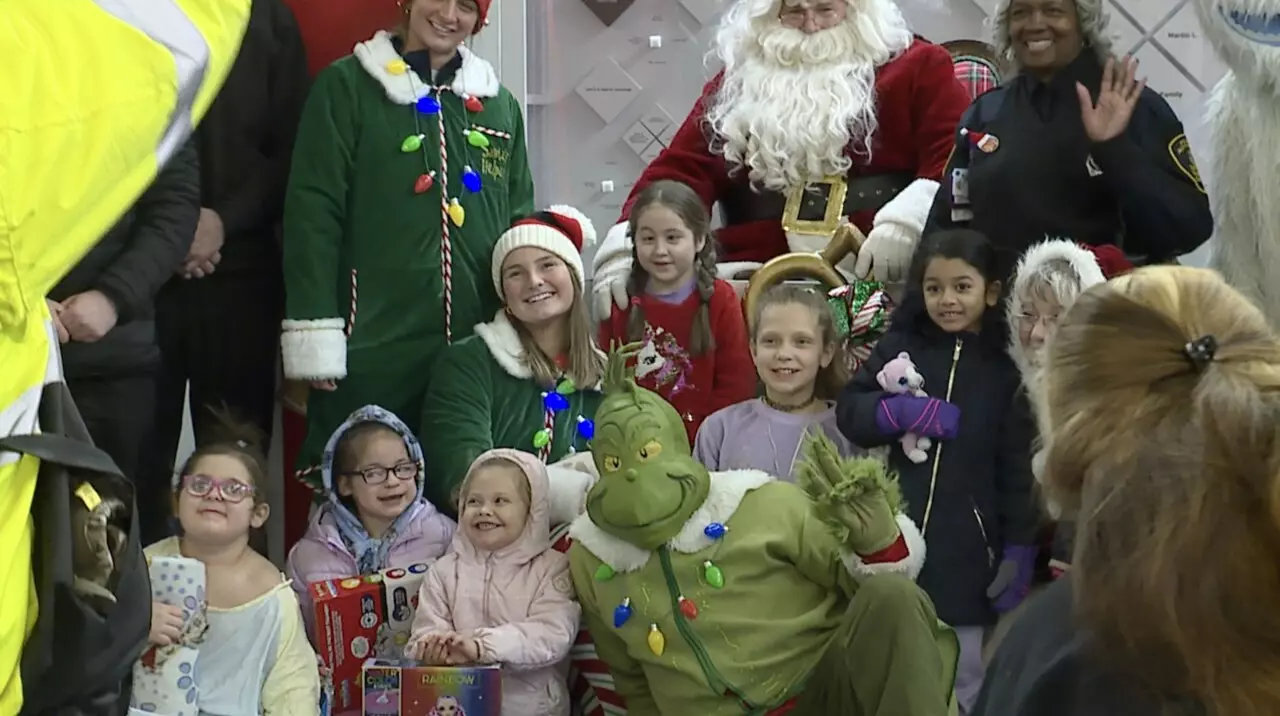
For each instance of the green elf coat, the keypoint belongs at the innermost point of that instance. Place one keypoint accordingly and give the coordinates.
(483, 396)
(786, 586)
(381, 268)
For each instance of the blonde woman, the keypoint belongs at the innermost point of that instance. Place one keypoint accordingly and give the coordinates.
(1162, 390)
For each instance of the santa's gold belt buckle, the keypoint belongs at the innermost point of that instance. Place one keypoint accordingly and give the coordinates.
(817, 208)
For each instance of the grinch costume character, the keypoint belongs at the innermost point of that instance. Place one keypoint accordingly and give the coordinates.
(735, 593)
(825, 113)
(403, 179)
(1244, 120)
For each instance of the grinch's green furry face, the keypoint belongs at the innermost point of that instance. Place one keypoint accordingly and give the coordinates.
(649, 482)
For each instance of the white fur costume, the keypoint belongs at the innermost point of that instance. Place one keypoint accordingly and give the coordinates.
(1244, 117)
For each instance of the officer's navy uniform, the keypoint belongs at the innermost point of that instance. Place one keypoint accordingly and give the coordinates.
(1023, 169)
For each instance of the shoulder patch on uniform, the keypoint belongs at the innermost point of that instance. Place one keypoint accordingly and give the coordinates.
(1180, 153)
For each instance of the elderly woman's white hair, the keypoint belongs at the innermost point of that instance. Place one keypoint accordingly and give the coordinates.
(1094, 27)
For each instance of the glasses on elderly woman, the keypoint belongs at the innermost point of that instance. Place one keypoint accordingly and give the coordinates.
(1028, 321)
(228, 490)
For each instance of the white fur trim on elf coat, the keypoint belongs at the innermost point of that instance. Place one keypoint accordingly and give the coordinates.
(567, 493)
(910, 208)
(314, 349)
(726, 493)
(500, 338)
(910, 565)
(476, 78)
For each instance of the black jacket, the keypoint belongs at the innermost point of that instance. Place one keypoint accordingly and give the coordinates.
(129, 265)
(982, 495)
(246, 139)
(1141, 191)
(1045, 666)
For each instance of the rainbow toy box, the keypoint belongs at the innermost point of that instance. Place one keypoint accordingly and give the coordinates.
(362, 618)
(403, 688)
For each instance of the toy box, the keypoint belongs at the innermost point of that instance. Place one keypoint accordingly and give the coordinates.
(403, 688)
(362, 618)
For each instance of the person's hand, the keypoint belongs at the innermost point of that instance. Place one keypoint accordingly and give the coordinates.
(205, 252)
(88, 316)
(462, 650)
(433, 650)
(848, 495)
(55, 310)
(326, 385)
(1012, 582)
(1109, 116)
(886, 252)
(166, 624)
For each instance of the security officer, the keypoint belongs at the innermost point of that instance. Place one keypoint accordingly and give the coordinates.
(1072, 147)
(89, 126)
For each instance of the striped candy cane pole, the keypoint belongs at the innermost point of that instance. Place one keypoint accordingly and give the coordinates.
(355, 295)
(549, 424)
(446, 244)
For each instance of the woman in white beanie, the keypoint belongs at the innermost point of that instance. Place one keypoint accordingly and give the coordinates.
(1048, 279)
(527, 379)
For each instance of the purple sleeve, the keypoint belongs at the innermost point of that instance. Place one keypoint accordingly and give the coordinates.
(710, 438)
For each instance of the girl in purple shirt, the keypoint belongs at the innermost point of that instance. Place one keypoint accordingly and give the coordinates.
(794, 345)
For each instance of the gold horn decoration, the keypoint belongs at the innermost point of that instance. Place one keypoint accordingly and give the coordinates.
(821, 266)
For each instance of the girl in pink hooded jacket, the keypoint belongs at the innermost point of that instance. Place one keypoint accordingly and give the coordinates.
(503, 596)
(375, 517)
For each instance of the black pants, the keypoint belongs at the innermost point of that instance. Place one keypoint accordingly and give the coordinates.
(221, 335)
(119, 412)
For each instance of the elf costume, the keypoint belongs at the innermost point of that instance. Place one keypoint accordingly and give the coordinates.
(734, 593)
(483, 394)
(399, 190)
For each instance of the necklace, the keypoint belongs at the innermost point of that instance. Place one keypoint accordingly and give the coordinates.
(783, 407)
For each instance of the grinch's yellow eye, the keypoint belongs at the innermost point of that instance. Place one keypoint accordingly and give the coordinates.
(650, 450)
(612, 463)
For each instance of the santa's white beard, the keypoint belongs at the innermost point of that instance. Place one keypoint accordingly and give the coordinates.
(791, 104)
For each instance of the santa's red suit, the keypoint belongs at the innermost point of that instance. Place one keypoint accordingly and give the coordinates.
(331, 28)
(917, 106)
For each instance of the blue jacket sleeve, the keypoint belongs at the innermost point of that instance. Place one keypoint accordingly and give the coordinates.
(1155, 179)
(858, 402)
(951, 208)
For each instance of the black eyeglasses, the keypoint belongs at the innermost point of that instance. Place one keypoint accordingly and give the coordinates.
(378, 474)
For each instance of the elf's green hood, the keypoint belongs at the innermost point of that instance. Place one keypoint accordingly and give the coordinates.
(650, 484)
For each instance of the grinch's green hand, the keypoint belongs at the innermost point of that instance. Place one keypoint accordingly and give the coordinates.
(854, 496)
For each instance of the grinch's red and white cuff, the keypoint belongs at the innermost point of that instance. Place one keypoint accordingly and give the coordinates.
(314, 349)
(910, 208)
(904, 556)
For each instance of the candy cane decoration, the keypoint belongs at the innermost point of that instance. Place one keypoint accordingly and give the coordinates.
(446, 244)
(490, 132)
(355, 295)
(548, 424)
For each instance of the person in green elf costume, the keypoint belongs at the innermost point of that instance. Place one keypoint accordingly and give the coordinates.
(529, 378)
(712, 594)
(409, 163)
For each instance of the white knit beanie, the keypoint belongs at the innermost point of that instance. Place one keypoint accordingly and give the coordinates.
(560, 229)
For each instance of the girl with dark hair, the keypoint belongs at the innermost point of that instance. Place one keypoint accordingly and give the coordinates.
(689, 323)
(972, 496)
(796, 351)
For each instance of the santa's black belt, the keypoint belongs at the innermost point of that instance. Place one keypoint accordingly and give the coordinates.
(864, 193)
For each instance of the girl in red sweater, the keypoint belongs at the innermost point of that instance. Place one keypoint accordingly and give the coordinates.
(693, 337)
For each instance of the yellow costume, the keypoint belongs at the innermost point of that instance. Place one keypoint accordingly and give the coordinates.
(99, 93)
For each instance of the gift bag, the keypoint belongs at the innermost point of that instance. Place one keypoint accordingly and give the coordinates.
(861, 311)
(164, 679)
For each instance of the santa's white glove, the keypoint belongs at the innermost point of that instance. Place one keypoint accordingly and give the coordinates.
(887, 252)
(609, 288)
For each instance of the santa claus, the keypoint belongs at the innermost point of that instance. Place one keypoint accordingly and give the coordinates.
(826, 111)
(1244, 117)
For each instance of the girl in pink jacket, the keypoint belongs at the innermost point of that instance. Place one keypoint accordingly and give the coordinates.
(376, 516)
(503, 596)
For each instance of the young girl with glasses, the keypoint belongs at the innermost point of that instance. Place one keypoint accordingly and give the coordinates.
(375, 515)
(253, 632)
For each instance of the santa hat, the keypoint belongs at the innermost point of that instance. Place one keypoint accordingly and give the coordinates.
(1111, 259)
(561, 230)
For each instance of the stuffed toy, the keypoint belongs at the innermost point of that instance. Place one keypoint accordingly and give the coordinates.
(900, 377)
